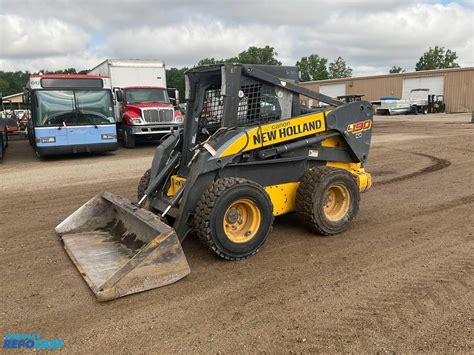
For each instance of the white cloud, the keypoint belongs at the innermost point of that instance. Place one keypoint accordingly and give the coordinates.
(187, 43)
(23, 37)
(370, 35)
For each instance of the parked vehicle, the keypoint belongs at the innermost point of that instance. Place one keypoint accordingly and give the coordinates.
(3, 132)
(10, 117)
(3, 138)
(143, 105)
(246, 155)
(419, 101)
(393, 106)
(70, 114)
(350, 98)
(436, 104)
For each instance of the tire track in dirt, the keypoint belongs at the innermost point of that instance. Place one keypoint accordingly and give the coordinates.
(438, 164)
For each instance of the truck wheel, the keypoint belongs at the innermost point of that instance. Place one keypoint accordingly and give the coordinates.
(143, 184)
(327, 200)
(128, 139)
(234, 218)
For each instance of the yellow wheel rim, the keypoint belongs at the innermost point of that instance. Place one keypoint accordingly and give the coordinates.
(242, 220)
(336, 202)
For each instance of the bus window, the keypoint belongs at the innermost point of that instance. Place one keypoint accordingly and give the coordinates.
(54, 108)
(94, 107)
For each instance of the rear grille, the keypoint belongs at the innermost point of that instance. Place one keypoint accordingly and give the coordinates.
(158, 115)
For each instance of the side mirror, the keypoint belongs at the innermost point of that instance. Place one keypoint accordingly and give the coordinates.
(26, 98)
(119, 95)
(176, 95)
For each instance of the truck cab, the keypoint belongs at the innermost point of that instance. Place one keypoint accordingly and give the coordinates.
(143, 106)
(146, 112)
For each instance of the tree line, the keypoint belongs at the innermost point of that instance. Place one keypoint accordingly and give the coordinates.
(311, 67)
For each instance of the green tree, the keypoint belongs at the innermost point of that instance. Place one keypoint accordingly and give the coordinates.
(339, 69)
(437, 58)
(395, 69)
(175, 79)
(253, 55)
(313, 67)
(207, 61)
(15, 82)
(258, 55)
(4, 87)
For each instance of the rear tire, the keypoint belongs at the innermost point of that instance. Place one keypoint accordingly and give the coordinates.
(327, 200)
(234, 218)
(143, 184)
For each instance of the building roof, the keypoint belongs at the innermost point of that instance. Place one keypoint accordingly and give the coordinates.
(14, 99)
(415, 73)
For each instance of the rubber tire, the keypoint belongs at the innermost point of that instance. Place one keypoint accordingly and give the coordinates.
(128, 139)
(310, 194)
(211, 209)
(143, 184)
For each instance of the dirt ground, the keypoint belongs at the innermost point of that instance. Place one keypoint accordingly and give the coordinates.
(401, 279)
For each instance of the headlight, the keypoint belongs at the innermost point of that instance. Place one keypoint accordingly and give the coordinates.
(48, 139)
(136, 120)
(178, 119)
(109, 136)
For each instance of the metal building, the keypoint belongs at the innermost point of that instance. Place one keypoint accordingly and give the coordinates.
(457, 86)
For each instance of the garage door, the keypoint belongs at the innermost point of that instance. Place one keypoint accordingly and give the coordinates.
(333, 90)
(435, 84)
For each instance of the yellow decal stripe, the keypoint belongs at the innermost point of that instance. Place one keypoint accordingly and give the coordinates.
(277, 132)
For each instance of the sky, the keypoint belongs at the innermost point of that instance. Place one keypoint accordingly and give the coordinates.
(371, 36)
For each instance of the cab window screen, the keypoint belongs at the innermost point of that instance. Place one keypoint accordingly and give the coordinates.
(49, 83)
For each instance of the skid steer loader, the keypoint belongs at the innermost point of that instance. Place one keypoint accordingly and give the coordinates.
(249, 151)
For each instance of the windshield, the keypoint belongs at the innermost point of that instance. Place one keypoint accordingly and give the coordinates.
(73, 107)
(144, 96)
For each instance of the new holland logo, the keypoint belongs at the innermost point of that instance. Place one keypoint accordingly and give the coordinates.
(359, 126)
(285, 130)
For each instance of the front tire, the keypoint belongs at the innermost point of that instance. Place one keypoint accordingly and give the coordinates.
(143, 184)
(327, 200)
(234, 218)
(128, 138)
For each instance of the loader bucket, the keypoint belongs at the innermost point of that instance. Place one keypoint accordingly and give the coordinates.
(121, 249)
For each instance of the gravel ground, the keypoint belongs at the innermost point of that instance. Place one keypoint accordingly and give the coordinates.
(401, 279)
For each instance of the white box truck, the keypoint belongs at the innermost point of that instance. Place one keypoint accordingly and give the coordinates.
(143, 107)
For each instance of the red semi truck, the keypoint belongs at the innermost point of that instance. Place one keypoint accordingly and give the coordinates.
(143, 106)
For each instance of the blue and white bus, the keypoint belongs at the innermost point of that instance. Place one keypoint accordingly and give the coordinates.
(70, 114)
